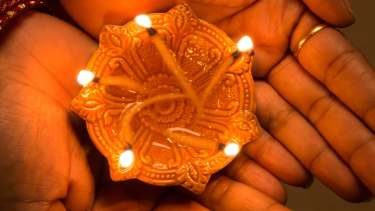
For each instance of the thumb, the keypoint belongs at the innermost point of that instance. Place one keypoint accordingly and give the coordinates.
(81, 190)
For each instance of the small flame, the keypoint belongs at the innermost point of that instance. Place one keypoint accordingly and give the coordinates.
(85, 77)
(231, 149)
(143, 20)
(245, 44)
(127, 158)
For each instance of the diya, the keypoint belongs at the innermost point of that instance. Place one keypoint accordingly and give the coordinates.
(171, 104)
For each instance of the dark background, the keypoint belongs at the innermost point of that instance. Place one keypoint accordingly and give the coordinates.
(318, 197)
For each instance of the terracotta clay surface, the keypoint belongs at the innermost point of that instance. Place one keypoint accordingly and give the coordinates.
(199, 47)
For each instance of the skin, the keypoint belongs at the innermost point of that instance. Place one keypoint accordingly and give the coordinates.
(317, 111)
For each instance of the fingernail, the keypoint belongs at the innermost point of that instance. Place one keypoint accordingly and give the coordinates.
(309, 184)
(370, 199)
(349, 7)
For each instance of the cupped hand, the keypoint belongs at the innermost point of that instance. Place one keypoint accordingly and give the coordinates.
(317, 110)
(48, 161)
(43, 161)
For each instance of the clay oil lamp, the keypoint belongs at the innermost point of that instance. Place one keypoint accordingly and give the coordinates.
(168, 99)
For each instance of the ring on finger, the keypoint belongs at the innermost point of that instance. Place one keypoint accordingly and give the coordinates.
(307, 37)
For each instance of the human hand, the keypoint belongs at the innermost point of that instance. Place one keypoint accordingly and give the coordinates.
(43, 159)
(48, 161)
(296, 115)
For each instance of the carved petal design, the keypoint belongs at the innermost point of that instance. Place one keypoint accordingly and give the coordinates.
(195, 176)
(112, 37)
(89, 104)
(245, 126)
(199, 48)
(180, 19)
(241, 65)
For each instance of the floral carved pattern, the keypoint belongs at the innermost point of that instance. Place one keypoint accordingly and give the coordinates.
(199, 48)
(180, 19)
(89, 104)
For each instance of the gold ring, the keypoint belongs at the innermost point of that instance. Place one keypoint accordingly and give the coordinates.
(307, 37)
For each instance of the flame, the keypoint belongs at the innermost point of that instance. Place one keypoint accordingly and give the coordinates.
(127, 158)
(143, 20)
(245, 44)
(231, 149)
(85, 77)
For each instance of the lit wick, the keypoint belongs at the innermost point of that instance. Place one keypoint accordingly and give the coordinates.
(244, 45)
(126, 159)
(168, 58)
(229, 149)
(85, 77)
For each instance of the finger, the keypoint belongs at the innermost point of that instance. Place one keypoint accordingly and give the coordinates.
(336, 12)
(335, 62)
(295, 133)
(81, 190)
(126, 195)
(223, 193)
(176, 202)
(274, 157)
(245, 170)
(350, 138)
